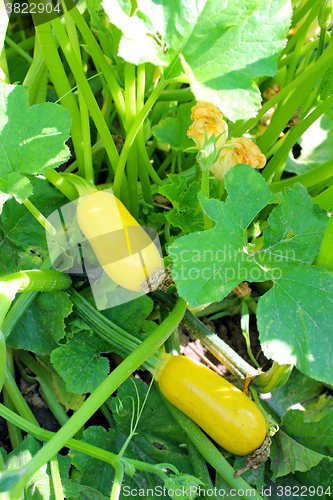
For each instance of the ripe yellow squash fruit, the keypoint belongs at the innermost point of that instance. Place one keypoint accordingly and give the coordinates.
(122, 247)
(224, 412)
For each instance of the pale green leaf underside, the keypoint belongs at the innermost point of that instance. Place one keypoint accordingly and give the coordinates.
(224, 45)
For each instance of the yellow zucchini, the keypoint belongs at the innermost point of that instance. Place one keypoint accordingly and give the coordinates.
(122, 247)
(224, 412)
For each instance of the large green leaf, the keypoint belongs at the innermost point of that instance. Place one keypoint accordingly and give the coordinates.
(31, 139)
(314, 435)
(158, 440)
(287, 455)
(223, 45)
(172, 130)
(80, 363)
(42, 325)
(155, 419)
(298, 389)
(40, 485)
(295, 317)
(186, 213)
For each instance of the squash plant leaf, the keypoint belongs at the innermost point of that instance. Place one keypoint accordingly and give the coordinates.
(298, 389)
(95, 473)
(186, 213)
(318, 478)
(223, 46)
(131, 316)
(146, 447)
(172, 130)
(31, 140)
(80, 363)
(295, 316)
(314, 435)
(22, 238)
(40, 485)
(159, 437)
(42, 325)
(288, 456)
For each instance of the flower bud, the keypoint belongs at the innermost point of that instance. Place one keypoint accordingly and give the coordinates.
(235, 151)
(207, 117)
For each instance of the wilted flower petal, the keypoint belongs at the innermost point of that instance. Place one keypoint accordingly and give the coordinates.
(237, 150)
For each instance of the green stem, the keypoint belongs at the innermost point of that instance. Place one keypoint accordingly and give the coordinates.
(278, 161)
(45, 381)
(25, 45)
(211, 453)
(235, 363)
(321, 45)
(18, 400)
(179, 95)
(245, 327)
(63, 89)
(106, 329)
(200, 467)
(165, 164)
(117, 481)
(144, 165)
(308, 179)
(41, 219)
(325, 199)
(36, 75)
(294, 61)
(205, 190)
(56, 479)
(132, 162)
(144, 157)
(98, 56)
(74, 444)
(86, 92)
(132, 134)
(301, 11)
(301, 32)
(2, 359)
(325, 255)
(19, 50)
(99, 396)
(306, 49)
(60, 183)
(37, 280)
(317, 69)
(73, 38)
(15, 434)
(21, 304)
(167, 234)
(275, 377)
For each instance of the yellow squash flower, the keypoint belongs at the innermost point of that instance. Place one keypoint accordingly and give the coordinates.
(209, 117)
(237, 150)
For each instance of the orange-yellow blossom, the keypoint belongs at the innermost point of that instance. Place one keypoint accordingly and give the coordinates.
(209, 117)
(237, 150)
